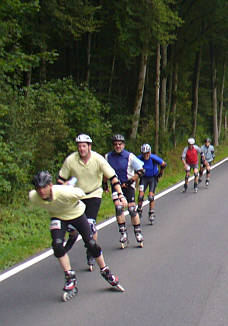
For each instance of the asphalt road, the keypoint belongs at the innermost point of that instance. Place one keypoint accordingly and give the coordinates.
(179, 278)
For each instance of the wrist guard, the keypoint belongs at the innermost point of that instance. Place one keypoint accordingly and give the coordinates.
(104, 185)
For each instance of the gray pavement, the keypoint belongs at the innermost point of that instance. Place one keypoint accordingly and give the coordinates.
(179, 278)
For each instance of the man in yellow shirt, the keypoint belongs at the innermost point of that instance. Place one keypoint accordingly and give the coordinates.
(66, 211)
(89, 168)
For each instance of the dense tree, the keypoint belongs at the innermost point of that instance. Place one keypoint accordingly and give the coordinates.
(154, 70)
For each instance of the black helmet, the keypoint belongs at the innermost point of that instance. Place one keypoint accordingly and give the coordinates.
(41, 179)
(118, 137)
(207, 140)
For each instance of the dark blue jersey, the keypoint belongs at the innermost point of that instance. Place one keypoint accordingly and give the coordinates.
(125, 164)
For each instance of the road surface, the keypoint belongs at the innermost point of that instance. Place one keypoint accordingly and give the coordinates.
(179, 278)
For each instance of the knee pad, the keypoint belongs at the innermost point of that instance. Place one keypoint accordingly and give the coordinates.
(188, 168)
(140, 198)
(141, 188)
(92, 224)
(94, 248)
(208, 172)
(119, 210)
(151, 198)
(59, 250)
(196, 174)
(132, 211)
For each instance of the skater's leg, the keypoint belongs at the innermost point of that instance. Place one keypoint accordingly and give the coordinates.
(92, 209)
(120, 217)
(65, 262)
(196, 177)
(208, 174)
(140, 203)
(71, 240)
(201, 173)
(140, 197)
(58, 230)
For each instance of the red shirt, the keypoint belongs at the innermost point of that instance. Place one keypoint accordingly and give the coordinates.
(191, 156)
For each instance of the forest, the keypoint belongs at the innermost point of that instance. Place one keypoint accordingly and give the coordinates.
(152, 70)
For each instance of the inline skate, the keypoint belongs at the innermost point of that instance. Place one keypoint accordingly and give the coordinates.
(70, 287)
(139, 236)
(111, 278)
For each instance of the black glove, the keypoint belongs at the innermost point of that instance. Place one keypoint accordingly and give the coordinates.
(129, 182)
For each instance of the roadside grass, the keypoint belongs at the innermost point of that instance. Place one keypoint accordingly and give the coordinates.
(24, 230)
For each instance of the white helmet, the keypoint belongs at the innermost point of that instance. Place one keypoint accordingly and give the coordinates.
(145, 148)
(191, 141)
(82, 138)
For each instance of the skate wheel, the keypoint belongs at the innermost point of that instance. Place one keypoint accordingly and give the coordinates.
(65, 297)
(120, 288)
(68, 295)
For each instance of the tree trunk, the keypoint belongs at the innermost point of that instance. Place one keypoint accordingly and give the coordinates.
(139, 96)
(163, 88)
(157, 91)
(195, 90)
(214, 96)
(221, 98)
(170, 82)
(111, 77)
(88, 58)
(28, 77)
(174, 102)
(225, 125)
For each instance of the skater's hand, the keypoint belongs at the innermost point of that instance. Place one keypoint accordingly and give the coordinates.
(159, 176)
(128, 183)
(123, 200)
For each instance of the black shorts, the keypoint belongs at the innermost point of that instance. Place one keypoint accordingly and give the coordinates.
(58, 228)
(92, 207)
(129, 193)
(203, 165)
(148, 181)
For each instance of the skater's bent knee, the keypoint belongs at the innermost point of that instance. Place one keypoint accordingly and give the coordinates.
(132, 211)
(119, 210)
(59, 250)
(151, 198)
(94, 248)
(140, 198)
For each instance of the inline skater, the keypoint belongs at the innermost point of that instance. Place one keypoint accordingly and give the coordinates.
(89, 168)
(66, 211)
(209, 153)
(128, 169)
(190, 160)
(150, 178)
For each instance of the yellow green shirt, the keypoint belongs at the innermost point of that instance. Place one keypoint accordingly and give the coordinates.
(89, 175)
(65, 203)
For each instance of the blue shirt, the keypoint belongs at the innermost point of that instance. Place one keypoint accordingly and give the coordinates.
(151, 165)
